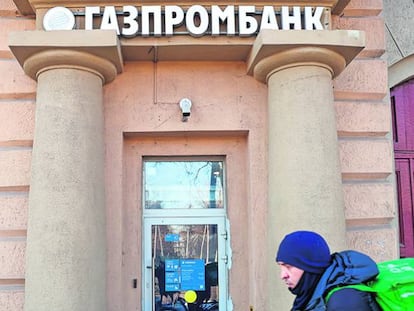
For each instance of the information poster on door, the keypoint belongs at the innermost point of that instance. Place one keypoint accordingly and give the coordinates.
(184, 274)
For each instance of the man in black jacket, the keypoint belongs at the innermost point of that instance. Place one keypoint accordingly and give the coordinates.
(311, 272)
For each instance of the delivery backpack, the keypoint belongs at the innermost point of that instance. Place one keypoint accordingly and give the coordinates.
(393, 287)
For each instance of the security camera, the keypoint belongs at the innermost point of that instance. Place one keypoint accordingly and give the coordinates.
(185, 105)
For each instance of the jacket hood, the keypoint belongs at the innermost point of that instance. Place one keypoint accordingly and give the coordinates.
(347, 268)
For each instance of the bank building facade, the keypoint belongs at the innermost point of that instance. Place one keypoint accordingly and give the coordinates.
(154, 153)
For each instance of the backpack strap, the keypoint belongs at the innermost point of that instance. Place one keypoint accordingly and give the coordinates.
(361, 287)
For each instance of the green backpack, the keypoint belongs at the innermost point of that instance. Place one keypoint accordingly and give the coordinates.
(394, 285)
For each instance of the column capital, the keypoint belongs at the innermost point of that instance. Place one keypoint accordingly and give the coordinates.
(96, 51)
(333, 50)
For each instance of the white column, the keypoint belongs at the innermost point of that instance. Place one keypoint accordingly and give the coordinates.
(66, 236)
(66, 241)
(304, 177)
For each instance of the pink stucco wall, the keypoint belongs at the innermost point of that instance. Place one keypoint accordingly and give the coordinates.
(228, 118)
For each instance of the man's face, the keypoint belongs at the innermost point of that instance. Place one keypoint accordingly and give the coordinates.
(290, 274)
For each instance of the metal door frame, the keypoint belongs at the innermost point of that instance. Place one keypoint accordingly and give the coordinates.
(199, 217)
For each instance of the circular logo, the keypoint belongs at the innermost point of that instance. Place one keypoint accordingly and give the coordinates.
(59, 18)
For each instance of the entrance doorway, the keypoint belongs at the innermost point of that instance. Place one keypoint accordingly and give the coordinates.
(185, 264)
(185, 247)
(402, 103)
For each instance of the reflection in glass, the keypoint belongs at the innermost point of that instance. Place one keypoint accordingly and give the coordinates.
(185, 267)
(183, 184)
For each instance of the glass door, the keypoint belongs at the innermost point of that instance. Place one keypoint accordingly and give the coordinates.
(185, 262)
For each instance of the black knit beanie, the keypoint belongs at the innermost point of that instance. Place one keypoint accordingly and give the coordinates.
(305, 250)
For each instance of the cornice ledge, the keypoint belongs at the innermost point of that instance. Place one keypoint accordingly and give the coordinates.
(41, 4)
(29, 7)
